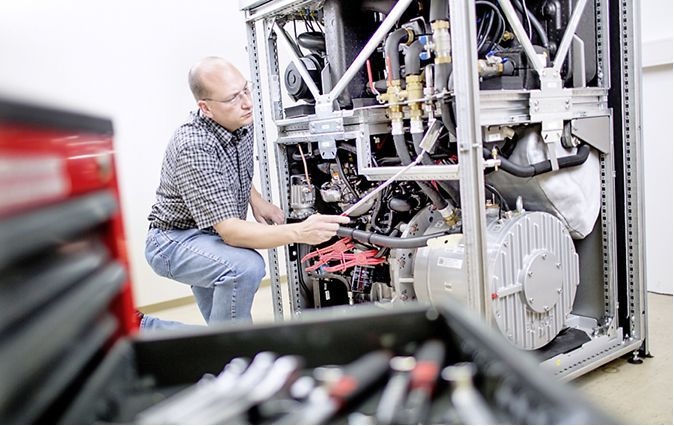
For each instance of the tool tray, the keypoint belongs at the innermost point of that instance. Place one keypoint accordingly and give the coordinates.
(144, 370)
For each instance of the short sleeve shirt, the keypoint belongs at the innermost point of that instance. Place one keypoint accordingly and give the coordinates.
(206, 176)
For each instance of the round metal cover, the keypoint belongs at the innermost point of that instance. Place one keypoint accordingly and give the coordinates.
(541, 273)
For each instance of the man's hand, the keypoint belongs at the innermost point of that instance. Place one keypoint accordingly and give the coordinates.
(318, 228)
(264, 211)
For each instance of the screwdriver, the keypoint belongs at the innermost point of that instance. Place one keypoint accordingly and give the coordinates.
(423, 381)
(326, 401)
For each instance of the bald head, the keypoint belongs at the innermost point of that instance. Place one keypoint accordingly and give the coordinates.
(206, 74)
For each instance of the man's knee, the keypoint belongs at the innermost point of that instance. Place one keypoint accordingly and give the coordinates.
(251, 268)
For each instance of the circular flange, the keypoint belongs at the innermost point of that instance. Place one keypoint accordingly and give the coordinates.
(541, 279)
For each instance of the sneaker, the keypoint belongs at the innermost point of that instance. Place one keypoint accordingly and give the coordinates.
(139, 317)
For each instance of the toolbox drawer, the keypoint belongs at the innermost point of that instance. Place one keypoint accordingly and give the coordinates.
(144, 370)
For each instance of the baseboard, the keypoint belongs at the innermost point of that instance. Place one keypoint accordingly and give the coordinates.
(188, 300)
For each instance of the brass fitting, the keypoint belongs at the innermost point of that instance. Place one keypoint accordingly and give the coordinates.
(450, 216)
(438, 25)
(414, 88)
(393, 93)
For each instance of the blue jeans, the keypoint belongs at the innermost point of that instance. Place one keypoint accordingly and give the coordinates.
(223, 278)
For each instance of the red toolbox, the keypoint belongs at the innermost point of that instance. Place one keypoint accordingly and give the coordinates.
(65, 293)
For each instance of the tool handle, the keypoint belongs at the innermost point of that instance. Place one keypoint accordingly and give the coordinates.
(359, 375)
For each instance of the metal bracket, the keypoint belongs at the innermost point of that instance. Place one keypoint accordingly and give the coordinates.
(327, 147)
(496, 133)
(326, 132)
(596, 131)
(551, 106)
(332, 125)
(551, 131)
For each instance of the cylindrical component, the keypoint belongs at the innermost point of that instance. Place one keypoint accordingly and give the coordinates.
(296, 86)
(313, 41)
(441, 42)
(414, 89)
(532, 281)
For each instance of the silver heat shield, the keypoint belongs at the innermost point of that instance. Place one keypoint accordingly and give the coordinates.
(572, 194)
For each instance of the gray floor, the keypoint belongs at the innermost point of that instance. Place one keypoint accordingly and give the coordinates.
(633, 394)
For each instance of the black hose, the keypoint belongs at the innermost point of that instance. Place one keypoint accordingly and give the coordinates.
(439, 10)
(545, 166)
(416, 141)
(340, 172)
(385, 240)
(435, 197)
(412, 61)
(385, 250)
(500, 29)
(441, 76)
(391, 48)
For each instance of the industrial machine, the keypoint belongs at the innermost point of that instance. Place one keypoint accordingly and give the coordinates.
(486, 150)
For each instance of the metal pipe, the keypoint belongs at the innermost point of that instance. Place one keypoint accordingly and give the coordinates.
(297, 61)
(521, 34)
(364, 54)
(568, 35)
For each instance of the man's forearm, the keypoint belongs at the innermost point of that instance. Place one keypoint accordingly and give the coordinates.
(241, 233)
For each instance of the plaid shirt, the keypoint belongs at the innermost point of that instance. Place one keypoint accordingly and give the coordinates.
(206, 176)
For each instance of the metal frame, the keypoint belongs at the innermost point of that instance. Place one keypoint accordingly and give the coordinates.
(476, 109)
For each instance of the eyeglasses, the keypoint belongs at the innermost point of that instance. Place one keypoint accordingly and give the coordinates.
(236, 98)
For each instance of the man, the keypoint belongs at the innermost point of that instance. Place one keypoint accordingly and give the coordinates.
(198, 230)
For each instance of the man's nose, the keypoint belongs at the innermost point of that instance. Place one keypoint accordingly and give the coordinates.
(246, 101)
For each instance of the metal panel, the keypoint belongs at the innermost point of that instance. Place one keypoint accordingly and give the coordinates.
(469, 139)
(631, 90)
(261, 146)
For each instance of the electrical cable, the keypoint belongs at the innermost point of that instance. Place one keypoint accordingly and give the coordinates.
(536, 24)
(340, 172)
(500, 30)
(527, 15)
(304, 161)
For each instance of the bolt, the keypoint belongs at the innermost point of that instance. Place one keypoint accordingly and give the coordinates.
(544, 256)
(530, 274)
(559, 290)
(558, 265)
(531, 299)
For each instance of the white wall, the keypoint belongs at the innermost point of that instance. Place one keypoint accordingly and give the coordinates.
(657, 118)
(126, 60)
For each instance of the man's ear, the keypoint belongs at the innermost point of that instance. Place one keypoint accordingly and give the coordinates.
(205, 109)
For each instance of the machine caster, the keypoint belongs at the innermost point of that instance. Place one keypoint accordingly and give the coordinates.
(635, 358)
